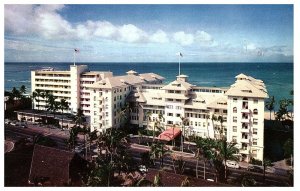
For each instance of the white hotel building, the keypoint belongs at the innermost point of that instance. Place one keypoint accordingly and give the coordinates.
(101, 95)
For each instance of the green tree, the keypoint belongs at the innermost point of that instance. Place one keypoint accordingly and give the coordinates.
(79, 117)
(63, 105)
(226, 151)
(185, 122)
(270, 104)
(37, 95)
(214, 118)
(222, 131)
(159, 151)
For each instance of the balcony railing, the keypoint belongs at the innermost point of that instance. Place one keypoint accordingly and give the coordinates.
(244, 140)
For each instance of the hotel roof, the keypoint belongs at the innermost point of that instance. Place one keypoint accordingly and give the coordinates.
(129, 79)
(178, 85)
(247, 86)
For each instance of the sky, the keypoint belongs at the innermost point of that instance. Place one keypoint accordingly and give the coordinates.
(148, 33)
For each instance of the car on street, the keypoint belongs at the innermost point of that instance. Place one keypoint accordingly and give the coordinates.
(232, 164)
(143, 169)
(255, 168)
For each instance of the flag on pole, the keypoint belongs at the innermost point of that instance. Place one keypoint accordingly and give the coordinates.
(179, 54)
(76, 50)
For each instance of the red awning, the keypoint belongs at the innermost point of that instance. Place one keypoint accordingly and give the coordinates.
(169, 134)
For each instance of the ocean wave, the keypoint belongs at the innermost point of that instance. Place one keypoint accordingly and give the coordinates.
(22, 81)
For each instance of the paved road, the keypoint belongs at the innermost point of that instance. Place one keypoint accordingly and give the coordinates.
(190, 168)
(15, 133)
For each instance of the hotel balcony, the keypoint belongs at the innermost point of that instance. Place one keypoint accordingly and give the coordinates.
(245, 130)
(244, 140)
(245, 120)
(244, 150)
(245, 110)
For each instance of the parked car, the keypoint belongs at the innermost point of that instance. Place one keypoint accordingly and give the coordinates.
(143, 169)
(270, 169)
(255, 168)
(7, 122)
(232, 164)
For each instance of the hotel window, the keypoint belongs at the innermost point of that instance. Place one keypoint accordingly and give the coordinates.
(170, 114)
(196, 124)
(95, 105)
(254, 142)
(225, 111)
(255, 121)
(234, 119)
(95, 98)
(203, 124)
(106, 114)
(191, 122)
(254, 153)
(178, 107)
(255, 101)
(170, 122)
(255, 112)
(177, 114)
(216, 110)
(234, 128)
(106, 106)
(234, 110)
(234, 100)
(254, 131)
(234, 139)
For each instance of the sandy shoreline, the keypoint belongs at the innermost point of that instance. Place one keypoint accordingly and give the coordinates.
(267, 115)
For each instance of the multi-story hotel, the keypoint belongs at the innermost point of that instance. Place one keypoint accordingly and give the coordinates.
(236, 112)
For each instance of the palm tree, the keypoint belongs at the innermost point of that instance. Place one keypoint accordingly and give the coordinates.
(22, 90)
(185, 122)
(157, 125)
(207, 117)
(37, 94)
(270, 104)
(63, 105)
(226, 151)
(79, 117)
(15, 94)
(213, 118)
(206, 148)
(158, 151)
(221, 120)
(148, 115)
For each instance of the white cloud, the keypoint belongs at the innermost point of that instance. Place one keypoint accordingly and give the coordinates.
(130, 33)
(183, 38)
(250, 47)
(159, 37)
(104, 29)
(203, 36)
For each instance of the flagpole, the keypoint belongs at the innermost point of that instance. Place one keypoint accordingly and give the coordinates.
(74, 56)
(179, 65)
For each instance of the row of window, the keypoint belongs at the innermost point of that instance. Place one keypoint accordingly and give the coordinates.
(255, 101)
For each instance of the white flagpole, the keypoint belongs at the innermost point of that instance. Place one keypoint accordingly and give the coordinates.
(74, 56)
(179, 64)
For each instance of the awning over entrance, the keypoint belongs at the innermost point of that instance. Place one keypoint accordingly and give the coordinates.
(169, 134)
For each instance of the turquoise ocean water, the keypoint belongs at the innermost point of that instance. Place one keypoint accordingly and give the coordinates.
(278, 77)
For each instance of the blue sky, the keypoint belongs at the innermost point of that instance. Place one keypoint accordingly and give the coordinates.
(146, 33)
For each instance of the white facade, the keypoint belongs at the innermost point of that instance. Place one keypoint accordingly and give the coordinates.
(69, 85)
(236, 112)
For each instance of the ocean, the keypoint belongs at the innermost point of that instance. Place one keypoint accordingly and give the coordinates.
(278, 77)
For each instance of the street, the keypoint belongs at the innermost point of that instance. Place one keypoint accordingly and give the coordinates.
(15, 133)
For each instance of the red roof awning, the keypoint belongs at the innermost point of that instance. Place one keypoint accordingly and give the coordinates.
(169, 134)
